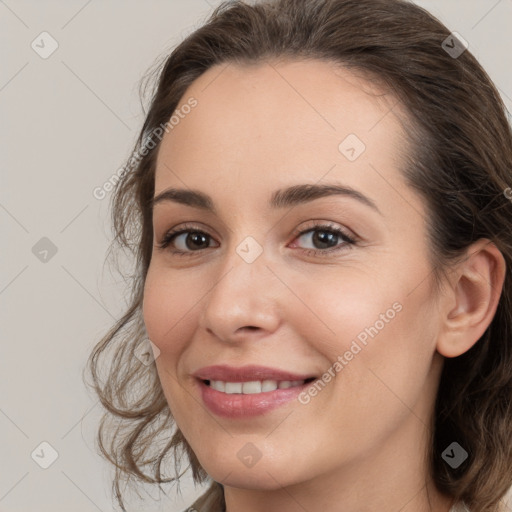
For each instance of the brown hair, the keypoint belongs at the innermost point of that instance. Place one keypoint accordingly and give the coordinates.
(460, 162)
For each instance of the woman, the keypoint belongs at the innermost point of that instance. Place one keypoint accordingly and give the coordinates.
(318, 208)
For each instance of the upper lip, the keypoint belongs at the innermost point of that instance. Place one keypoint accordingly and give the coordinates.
(247, 373)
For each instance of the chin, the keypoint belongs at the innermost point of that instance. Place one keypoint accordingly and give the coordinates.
(264, 475)
(254, 480)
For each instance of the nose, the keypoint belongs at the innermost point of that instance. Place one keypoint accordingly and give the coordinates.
(244, 301)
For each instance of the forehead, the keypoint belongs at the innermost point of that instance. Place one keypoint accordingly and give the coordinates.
(278, 123)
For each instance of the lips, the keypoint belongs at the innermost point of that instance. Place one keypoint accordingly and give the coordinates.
(248, 391)
(248, 374)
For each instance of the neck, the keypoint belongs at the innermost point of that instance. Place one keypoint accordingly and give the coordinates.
(389, 479)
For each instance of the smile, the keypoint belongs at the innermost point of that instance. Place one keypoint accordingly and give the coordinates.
(241, 400)
(253, 387)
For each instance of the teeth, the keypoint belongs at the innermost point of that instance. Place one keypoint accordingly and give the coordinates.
(233, 387)
(219, 385)
(253, 387)
(249, 388)
(268, 385)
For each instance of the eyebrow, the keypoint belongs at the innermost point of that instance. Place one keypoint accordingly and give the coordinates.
(282, 198)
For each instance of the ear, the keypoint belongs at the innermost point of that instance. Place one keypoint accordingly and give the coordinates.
(471, 298)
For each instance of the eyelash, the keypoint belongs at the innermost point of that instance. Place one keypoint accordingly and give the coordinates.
(348, 240)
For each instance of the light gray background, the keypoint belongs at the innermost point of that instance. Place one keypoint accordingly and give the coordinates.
(67, 124)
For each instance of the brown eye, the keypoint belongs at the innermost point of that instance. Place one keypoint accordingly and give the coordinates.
(325, 239)
(186, 240)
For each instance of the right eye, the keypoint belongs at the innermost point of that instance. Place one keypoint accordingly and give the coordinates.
(187, 240)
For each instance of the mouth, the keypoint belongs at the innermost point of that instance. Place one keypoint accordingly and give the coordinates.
(244, 392)
(254, 387)
(247, 399)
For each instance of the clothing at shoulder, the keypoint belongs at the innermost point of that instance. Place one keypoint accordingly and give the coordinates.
(211, 501)
(459, 507)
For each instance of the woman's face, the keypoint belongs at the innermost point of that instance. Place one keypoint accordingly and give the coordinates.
(250, 290)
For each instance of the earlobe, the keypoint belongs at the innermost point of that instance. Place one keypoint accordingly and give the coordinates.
(474, 295)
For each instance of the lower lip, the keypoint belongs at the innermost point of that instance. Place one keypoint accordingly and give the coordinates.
(238, 405)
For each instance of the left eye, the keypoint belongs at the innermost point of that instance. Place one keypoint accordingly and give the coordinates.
(191, 240)
(326, 237)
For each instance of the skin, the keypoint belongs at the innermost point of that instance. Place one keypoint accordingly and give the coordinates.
(360, 444)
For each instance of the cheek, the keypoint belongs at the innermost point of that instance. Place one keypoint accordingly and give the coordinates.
(339, 308)
(170, 310)
(393, 367)
(168, 307)
(373, 326)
